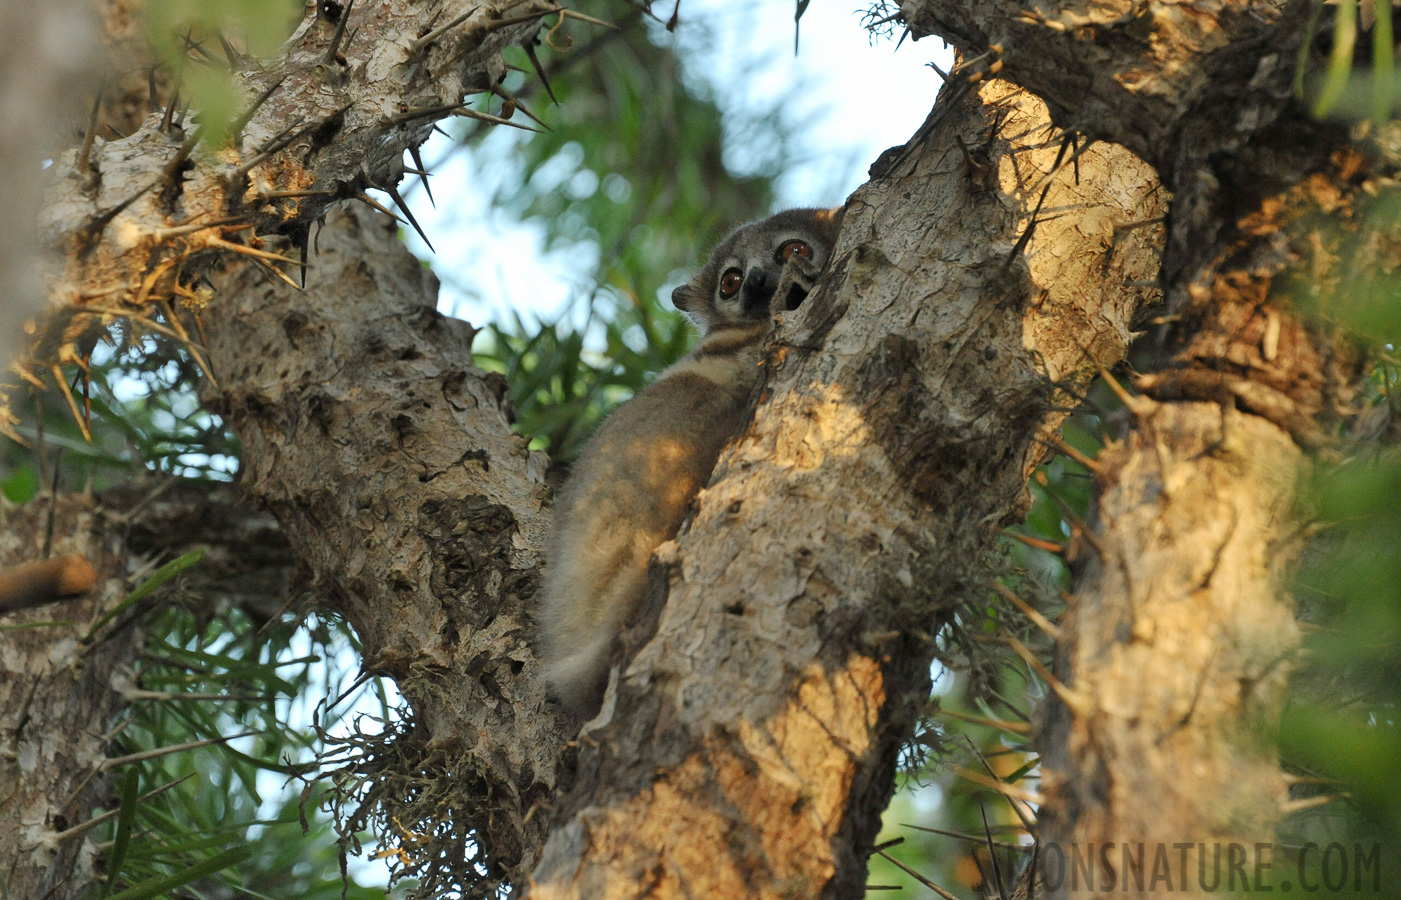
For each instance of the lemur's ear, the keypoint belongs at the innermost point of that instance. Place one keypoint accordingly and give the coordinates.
(684, 297)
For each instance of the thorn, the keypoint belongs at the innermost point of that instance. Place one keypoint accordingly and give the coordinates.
(236, 130)
(424, 112)
(520, 20)
(494, 120)
(1001, 724)
(275, 144)
(251, 251)
(1027, 610)
(1077, 524)
(72, 404)
(84, 165)
(178, 160)
(457, 109)
(422, 174)
(152, 92)
(569, 13)
(335, 46)
(170, 108)
(992, 856)
(1071, 698)
(509, 97)
(174, 231)
(1137, 405)
(1054, 440)
(375, 204)
(994, 50)
(93, 226)
(408, 213)
(234, 57)
(1038, 543)
(417, 46)
(1289, 807)
(970, 838)
(198, 47)
(916, 876)
(113, 762)
(1009, 791)
(442, 132)
(280, 274)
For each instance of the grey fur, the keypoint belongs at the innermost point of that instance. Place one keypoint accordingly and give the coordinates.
(633, 483)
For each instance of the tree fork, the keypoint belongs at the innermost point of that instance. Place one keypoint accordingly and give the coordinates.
(748, 749)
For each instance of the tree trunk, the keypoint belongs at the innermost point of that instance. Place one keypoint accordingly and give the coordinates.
(1177, 648)
(1180, 634)
(389, 460)
(748, 750)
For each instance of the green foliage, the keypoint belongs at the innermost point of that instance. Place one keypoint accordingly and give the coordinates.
(636, 164)
(1343, 724)
(139, 405)
(230, 814)
(1354, 83)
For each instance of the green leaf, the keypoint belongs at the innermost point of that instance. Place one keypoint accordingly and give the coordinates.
(1340, 60)
(129, 797)
(22, 485)
(154, 887)
(162, 575)
(1383, 63)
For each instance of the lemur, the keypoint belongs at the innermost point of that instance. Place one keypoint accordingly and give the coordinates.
(631, 486)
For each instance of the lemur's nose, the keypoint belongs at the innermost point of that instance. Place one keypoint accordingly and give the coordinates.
(759, 286)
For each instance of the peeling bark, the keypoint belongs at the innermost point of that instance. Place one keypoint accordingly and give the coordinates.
(749, 748)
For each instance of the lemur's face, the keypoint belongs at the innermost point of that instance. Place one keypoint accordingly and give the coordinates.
(739, 281)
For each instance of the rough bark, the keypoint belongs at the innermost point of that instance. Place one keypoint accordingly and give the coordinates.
(388, 458)
(1179, 635)
(47, 61)
(748, 749)
(60, 694)
(1178, 646)
(139, 219)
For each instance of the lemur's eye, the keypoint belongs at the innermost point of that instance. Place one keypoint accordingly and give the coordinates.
(730, 283)
(794, 248)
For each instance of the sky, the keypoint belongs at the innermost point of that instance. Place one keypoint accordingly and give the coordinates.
(857, 97)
